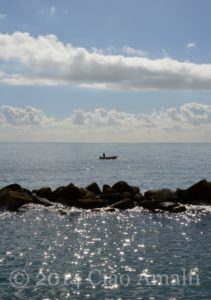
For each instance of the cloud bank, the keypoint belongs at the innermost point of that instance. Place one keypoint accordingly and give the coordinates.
(44, 60)
(190, 122)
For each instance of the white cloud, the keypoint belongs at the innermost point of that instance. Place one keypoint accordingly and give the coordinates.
(187, 116)
(189, 123)
(133, 52)
(105, 51)
(47, 61)
(3, 17)
(191, 45)
(28, 116)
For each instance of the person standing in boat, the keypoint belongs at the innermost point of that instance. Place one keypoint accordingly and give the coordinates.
(103, 155)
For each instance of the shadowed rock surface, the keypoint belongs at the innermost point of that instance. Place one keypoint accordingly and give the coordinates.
(199, 193)
(120, 196)
(13, 200)
(44, 192)
(123, 204)
(91, 203)
(122, 186)
(93, 187)
(70, 193)
(163, 195)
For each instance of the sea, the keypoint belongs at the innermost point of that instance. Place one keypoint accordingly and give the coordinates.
(125, 255)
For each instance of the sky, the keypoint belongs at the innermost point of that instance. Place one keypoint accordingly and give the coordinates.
(105, 71)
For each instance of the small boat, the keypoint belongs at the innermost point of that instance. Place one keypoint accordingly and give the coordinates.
(108, 157)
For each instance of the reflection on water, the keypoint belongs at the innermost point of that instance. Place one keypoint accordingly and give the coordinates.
(126, 255)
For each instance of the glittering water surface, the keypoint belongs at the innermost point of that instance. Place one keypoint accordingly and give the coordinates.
(91, 255)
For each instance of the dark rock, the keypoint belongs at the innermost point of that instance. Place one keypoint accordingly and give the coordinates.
(107, 189)
(93, 187)
(90, 203)
(65, 201)
(25, 191)
(14, 196)
(41, 201)
(89, 195)
(57, 193)
(197, 193)
(123, 204)
(156, 205)
(178, 209)
(12, 187)
(83, 191)
(150, 204)
(45, 192)
(122, 186)
(112, 198)
(2, 194)
(126, 195)
(13, 200)
(138, 199)
(163, 195)
(168, 206)
(135, 190)
(70, 192)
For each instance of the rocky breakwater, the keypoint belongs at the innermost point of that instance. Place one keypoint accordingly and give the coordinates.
(120, 196)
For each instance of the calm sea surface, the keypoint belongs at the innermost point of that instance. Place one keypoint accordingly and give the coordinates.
(85, 255)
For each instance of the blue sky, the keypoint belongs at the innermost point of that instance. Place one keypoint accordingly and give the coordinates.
(155, 55)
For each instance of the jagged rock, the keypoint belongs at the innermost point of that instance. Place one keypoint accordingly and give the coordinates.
(41, 201)
(122, 186)
(93, 187)
(2, 194)
(156, 205)
(13, 200)
(168, 206)
(12, 187)
(138, 199)
(70, 192)
(163, 195)
(198, 193)
(45, 192)
(119, 196)
(90, 203)
(107, 189)
(135, 190)
(178, 209)
(65, 201)
(89, 195)
(126, 195)
(150, 204)
(112, 198)
(123, 204)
